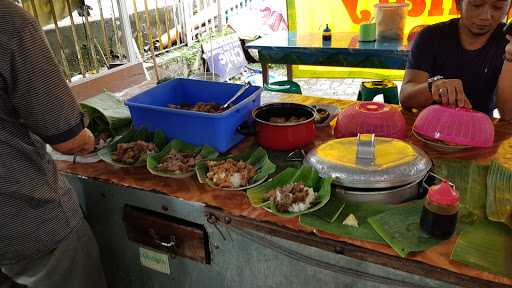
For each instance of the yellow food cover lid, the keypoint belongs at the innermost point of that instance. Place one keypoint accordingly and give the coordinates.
(369, 162)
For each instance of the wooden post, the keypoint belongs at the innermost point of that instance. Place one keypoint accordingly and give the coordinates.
(34, 10)
(91, 43)
(264, 72)
(75, 39)
(140, 39)
(151, 43)
(114, 26)
(106, 45)
(59, 40)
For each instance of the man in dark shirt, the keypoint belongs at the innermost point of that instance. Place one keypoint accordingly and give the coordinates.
(461, 62)
(44, 239)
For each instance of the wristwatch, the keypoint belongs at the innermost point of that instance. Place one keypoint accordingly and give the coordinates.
(431, 81)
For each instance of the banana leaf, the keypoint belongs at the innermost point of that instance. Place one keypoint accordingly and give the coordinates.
(361, 211)
(287, 159)
(499, 189)
(158, 138)
(331, 210)
(486, 246)
(470, 179)
(499, 194)
(179, 146)
(306, 175)
(106, 113)
(256, 157)
(400, 227)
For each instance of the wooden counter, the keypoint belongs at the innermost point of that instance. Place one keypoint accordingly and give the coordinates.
(233, 208)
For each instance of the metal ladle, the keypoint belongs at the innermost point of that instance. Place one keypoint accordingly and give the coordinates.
(240, 92)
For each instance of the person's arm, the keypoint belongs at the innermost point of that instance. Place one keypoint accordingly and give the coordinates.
(41, 96)
(414, 92)
(504, 87)
(82, 143)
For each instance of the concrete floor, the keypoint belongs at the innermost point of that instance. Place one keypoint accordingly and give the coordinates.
(346, 88)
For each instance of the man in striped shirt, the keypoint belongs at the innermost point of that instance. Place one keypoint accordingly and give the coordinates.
(44, 240)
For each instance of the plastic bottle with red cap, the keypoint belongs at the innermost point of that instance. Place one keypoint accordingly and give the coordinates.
(440, 210)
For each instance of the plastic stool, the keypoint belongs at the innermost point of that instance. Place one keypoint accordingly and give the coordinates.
(286, 86)
(370, 89)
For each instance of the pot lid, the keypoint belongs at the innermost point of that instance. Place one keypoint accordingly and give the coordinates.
(367, 161)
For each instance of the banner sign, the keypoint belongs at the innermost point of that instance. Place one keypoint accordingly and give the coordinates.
(225, 56)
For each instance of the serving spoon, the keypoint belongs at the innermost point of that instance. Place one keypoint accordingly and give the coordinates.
(240, 92)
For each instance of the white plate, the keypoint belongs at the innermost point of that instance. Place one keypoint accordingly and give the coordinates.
(89, 158)
(438, 145)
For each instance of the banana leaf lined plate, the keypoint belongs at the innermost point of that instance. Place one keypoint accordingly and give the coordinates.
(256, 157)
(158, 138)
(179, 146)
(306, 175)
(439, 145)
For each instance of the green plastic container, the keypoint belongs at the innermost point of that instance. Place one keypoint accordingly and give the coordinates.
(286, 86)
(370, 89)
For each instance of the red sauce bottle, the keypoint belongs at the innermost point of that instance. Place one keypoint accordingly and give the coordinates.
(439, 214)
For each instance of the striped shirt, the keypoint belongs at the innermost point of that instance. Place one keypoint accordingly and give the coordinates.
(37, 206)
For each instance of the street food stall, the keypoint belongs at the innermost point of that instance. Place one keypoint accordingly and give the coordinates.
(197, 183)
(356, 224)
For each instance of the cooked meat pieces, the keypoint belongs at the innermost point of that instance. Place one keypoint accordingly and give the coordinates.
(283, 120)
(230, 173)
(291, 198)
(179, 163)
(200, 107)
(130, 153)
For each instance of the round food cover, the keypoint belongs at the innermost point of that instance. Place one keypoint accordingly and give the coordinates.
(367, 161)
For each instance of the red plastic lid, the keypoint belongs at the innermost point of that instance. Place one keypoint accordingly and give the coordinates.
(383, 120)
(443, 194)
(455, 125)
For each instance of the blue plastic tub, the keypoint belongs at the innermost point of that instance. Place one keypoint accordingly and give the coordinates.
(149, 109)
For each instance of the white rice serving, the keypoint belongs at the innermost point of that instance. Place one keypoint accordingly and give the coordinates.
(302, 206)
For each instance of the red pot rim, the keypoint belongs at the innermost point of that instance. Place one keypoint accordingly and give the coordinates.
(284, 105)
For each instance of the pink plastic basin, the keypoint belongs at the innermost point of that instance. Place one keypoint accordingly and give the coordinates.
(459, 126)
(381, 119)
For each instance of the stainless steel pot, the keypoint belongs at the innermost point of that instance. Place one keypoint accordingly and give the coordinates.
(371, 169)
(387, 195)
